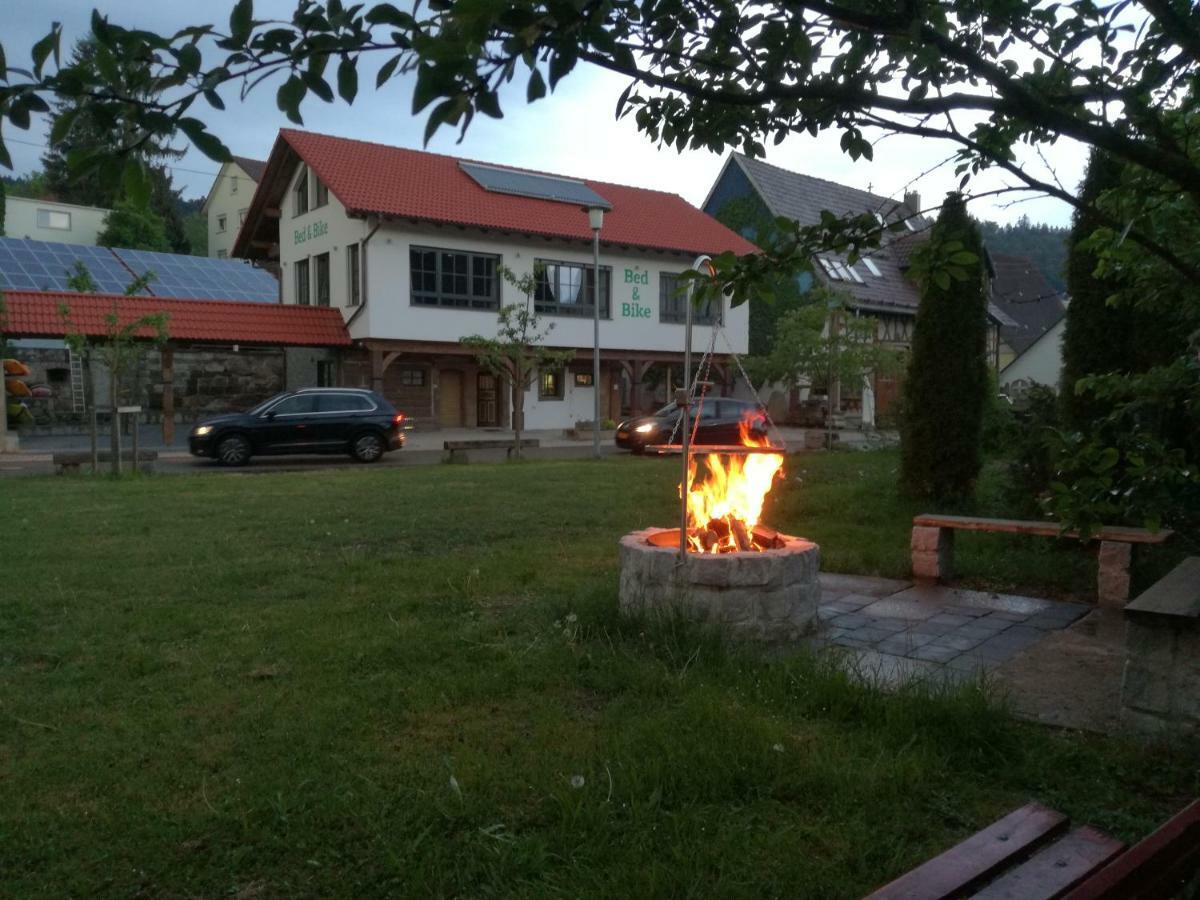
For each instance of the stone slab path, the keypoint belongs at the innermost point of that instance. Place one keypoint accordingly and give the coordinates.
(895, 631)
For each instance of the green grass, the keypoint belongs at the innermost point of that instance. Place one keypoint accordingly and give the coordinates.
(382, 682)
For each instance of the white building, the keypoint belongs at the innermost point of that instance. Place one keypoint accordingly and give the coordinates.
(227, 202)
(48, 220)
(1039, 363)
(409, 246)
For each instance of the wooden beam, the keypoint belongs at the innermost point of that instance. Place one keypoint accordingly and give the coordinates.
(168, 395)
(272, 212)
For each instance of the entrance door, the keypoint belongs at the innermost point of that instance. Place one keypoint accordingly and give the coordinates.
(487, 411)
(450, 405)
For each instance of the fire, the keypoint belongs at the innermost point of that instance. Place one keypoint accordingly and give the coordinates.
(724, 508)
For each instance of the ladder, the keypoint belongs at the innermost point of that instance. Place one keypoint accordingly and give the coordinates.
(78, 399)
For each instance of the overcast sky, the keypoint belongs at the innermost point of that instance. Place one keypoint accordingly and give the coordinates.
(572, 132)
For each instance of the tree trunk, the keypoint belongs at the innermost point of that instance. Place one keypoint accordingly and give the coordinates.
(518, 398)
(114, 422)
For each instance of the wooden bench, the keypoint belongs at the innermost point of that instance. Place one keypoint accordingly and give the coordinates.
(1031, 854)
(458, 449)
(1160, 687)
(933, 548)
(69, 462)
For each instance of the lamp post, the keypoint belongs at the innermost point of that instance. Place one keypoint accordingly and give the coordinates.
(596, 221)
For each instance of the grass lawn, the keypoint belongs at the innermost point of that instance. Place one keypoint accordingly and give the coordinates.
(414, 682)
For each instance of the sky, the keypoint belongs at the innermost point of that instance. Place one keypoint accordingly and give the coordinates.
(572, 132)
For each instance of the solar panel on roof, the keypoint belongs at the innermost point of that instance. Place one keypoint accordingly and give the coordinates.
(527, 184)
(47, 266)
(201, 277)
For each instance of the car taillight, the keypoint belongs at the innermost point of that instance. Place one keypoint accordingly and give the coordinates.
(398, 420)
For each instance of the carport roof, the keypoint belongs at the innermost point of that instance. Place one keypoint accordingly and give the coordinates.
(40, 314)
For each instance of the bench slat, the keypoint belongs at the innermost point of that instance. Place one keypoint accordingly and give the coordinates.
(978, 858)
(1176, 594)
(1056, 868)
(1155, 867)
(1119, 533)
(79, 457)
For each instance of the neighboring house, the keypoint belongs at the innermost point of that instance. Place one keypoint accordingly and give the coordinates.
(227, 201)
(878, 285)
(49, 220)
(1035, 308)
(409, 245)
(1039, 363)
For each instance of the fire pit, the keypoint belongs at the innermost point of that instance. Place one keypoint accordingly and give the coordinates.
(735, 571)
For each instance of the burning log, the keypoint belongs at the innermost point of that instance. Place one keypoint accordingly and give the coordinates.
(765, 537)
(741, 537)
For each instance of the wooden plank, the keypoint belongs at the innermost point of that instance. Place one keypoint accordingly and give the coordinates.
(1055, 869)
(1158, 866)
(1119, 533)
(978, 858)
(1176, 594)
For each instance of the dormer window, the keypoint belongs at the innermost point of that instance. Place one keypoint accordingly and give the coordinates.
(871, 267)
(321, 192)
(300, 193)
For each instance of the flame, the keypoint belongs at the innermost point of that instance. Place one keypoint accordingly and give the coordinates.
(724, 508)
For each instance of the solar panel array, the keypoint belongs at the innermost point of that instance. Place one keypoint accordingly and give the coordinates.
(528, 184)
(201, 277)
(46, 266)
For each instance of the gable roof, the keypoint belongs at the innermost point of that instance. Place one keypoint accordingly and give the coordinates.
(1029, 300)
(37, 314)
(252, 167)
(394, 182)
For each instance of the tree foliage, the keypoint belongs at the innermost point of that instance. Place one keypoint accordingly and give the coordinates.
(1045, 244)
(946, 388)
(134, 228)
(517, 352)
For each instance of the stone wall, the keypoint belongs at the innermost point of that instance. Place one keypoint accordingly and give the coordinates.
(212, 381)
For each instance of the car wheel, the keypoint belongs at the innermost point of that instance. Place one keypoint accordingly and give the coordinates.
(367, 448)
(233, 451)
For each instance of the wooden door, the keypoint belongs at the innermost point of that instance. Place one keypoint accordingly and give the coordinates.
(450, 399)
(487, 406)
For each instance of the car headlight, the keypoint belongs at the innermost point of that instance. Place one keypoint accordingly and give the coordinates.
(647, 428)
(202, 430)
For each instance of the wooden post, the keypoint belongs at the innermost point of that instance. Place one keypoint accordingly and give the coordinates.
(95, 452)
(168, 396)
(136, 429)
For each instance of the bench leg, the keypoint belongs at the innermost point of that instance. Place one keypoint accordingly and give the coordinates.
(932, 553)
(1112, 582)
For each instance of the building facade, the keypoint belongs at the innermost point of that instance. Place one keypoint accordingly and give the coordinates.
(228, 201)
(49, 220)
(413, 248)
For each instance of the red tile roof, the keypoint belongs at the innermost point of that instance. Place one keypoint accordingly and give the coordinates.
(412, 184)
(36, 314)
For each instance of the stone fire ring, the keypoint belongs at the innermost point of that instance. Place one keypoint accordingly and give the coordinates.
(769, 595)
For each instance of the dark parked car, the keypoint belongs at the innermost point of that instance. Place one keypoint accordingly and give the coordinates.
(720, 423)
(311, 420)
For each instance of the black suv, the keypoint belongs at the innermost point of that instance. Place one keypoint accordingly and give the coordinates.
(720, 423)
(310, 420)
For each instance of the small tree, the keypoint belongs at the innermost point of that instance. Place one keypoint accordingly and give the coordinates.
(516, 352)
(132, 227)
(946, 388)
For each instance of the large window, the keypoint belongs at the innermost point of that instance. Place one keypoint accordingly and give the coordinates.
(322, 278)
(454, 279)
(569, 289)
(54, 218)
(353, 276)
(672, 303)
(302, 296)
(550, 384)
(300, 193)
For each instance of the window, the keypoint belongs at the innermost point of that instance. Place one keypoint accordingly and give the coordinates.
(326, 372)
(872, 268)
(453, 279)
(672, 303)
(302, 297)
(412, 376)
(852, 272)
(550, 385)
(583, 379)
(222, 254)
(300, 193)
(54, 218)
(322, 193)
(241, 216)
(568, 289)
(233, 185)
(353, 276)
(322, 278)
(331, 403)
(221, 223)
(296, 405)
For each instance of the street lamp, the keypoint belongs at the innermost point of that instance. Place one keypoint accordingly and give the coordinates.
(596, 222)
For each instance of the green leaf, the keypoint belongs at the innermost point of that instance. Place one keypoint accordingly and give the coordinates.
(536, 88)
(241, 20)
(135, 182)
(289, 97)
(214, 99)
(42, 49)
(318, 85)
(942, 280)
(385, 72)
(189, 58)
(3, 65)
(347, 79)
(387, 14)
(18, 114)
(964, 258)
(204, 141)
(489, 104)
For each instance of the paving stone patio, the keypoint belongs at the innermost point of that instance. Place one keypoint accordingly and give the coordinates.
(895, 630)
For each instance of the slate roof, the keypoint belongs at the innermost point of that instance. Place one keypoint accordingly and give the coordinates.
(394, 182)
(36, 314)
(1030, 302)
(252, 167)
